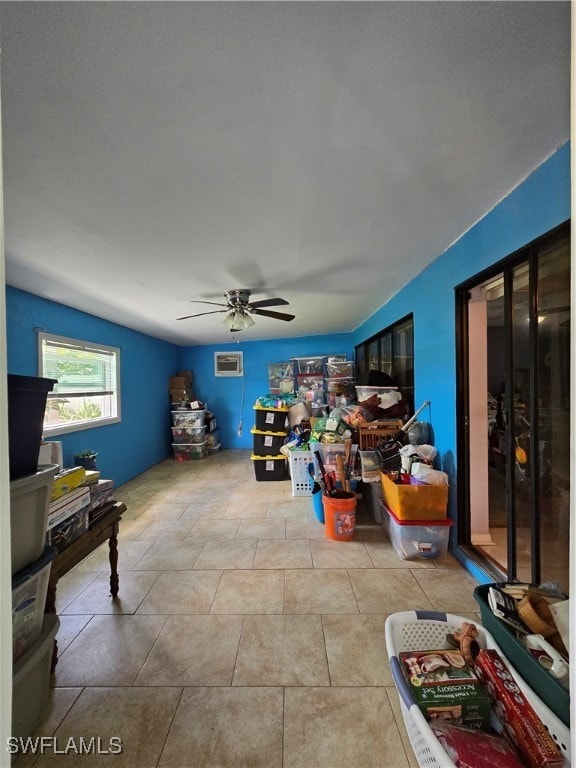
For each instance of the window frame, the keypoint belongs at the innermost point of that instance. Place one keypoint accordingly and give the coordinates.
(79, 344)
(375, 345)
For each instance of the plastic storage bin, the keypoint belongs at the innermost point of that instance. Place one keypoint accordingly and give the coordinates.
(269, 467)
(340, 369)
(416, 538)
(271, 419)
(189, 418)
(309, 364)
(298, 461)
(414, 501)
(365, 393)
(29, 501)
(189, 434)
(189, 451)
(267, 443)
(550, 690)
(421, 630)
(27, 397)
(29, 588)
(31, 680)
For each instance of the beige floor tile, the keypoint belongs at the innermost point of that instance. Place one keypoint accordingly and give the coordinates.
(294, 509)
(176, 592)
(281, 650)
(130, 529)
(206, 529)
(319, 591)
(327, 553)
(356, 650)
(110, 650)
(240, 509)
(340, 728)
(227, 554)
(169, 556)
(70, 627)
(448, 591)
(71, 585)
(283, 554)
(96, 598)
(238, 728)
(129, 552)
(160, 511)
(251, 591)
(139, 720)
(193, 650)
(387, 590)
(304, 527)
(208, 511)
(166, 529)
(262, 529)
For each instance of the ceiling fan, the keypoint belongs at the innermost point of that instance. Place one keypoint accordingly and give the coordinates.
(239, 309)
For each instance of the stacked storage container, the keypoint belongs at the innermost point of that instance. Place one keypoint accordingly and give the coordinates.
(33, 633)
(270, 430)
(414, 517)
(188, 434)
(310, 382)
(281, 378)
(339, 381)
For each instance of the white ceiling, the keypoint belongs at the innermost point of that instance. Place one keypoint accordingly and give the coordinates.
(323, 152)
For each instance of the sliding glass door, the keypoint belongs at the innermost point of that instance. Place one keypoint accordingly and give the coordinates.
(514, 405)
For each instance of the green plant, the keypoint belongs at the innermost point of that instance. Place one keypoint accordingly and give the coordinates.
(88, 454)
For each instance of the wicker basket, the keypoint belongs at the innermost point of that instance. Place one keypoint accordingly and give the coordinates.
(419, 630)
(371, 432)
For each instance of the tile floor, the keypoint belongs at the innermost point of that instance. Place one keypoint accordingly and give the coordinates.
(242, 636)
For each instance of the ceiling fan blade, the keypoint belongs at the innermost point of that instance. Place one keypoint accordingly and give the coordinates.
(214, 303)
(276, 315)
(214, 312)
(267, 303)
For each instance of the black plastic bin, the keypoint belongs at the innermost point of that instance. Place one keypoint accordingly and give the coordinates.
(27, 397)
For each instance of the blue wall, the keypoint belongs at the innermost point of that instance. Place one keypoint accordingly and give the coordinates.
(142, 438)
(232, 399)
(539, 204)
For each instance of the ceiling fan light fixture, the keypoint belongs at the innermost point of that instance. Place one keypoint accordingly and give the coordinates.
(238, 320)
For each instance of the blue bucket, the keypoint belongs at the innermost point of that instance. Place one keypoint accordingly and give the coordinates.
(317, 505)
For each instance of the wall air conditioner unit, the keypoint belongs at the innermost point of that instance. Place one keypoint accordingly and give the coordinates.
(228, 364)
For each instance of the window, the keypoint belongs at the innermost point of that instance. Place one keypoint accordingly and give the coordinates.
(88, 390)
(392, 352)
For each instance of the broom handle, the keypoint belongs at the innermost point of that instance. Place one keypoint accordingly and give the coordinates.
(412, 418)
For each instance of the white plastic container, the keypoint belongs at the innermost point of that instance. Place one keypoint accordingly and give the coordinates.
(365, 393)
(188, 434)
(189, 451)
(413, 539)
(31, 680)
(29, 500)
(189, 418)
(29, 588)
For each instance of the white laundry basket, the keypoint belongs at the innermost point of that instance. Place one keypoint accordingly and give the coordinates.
(422, 630)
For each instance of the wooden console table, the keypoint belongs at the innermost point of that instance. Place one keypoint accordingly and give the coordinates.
(103, 528)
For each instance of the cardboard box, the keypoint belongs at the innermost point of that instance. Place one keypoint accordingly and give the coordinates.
(179, 382)
(67, 505)
(100, 493)
(67, 481)
(523, 726)
(444, 687)
(188, 375)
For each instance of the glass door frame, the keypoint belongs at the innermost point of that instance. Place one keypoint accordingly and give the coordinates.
(527, 254)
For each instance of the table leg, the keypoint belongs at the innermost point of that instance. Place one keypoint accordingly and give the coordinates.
(113, 557)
